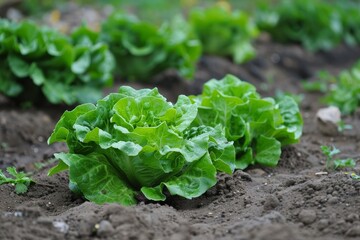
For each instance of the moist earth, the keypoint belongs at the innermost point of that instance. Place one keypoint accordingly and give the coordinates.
(295, 200)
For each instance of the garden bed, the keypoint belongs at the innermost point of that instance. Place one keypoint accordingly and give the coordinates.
(290, 201)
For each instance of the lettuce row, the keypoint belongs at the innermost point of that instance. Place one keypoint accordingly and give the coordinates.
(225, 33)
(144, 50)
(258, 126)
(64, 69)
(317, 25)
(134, 141)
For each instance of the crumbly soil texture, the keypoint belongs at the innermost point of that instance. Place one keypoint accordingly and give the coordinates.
(295, 200)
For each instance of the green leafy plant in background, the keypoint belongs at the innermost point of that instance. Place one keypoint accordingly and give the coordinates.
(38, 61)
(225, 33)
(258, 126)
(345, 91)
(349, 12)
(331, 163)
(133, 142)
(342, 91)
(19, 179)
(143, 50)
(321, 84)
(316, 24)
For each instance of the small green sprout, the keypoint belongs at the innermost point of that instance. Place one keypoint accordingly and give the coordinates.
(331, 163)
(20, 180)
(342, 126)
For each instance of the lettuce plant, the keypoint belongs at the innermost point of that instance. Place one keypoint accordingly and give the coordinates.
(314, 24)
(225, 33)
(36, 61)
(133, 142)
(143, 50)
(259, 127)
(345, 91)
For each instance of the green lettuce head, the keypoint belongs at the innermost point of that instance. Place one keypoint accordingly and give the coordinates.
(134, 141)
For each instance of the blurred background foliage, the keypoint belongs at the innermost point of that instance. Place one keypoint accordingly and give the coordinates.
(154, 10)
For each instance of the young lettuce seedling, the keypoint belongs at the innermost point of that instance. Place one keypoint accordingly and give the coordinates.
(20, 180)
(331, 163)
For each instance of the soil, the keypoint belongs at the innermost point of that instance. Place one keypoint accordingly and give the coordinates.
(291, 201)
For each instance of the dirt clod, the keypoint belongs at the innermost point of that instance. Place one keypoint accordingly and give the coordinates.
(104, 229)
(307, 216)
(271, 202)
(353, 231)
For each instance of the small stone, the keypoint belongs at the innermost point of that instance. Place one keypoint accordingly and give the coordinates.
(105, 229)
(353, 231)
(307, 216)
(327, 120)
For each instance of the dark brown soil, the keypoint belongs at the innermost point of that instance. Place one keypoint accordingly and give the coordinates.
(287, 202)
